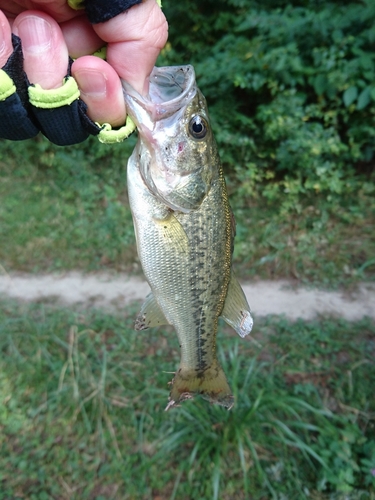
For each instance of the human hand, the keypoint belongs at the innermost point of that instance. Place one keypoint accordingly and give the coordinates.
(53, 31)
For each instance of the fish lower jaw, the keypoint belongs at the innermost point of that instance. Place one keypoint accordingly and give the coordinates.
(210, 383)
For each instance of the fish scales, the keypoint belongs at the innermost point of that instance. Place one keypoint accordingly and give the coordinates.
(190, 282)
(184, 235)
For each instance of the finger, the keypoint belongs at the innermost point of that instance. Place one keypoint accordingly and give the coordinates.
(11, 9)
(45, 52)
(6, 47)
(135, 39)
(100, 89)
(80, 37)
(58, 9)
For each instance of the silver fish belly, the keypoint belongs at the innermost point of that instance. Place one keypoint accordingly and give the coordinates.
(184, 230)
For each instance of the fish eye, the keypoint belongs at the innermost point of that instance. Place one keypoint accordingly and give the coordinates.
(198, 127)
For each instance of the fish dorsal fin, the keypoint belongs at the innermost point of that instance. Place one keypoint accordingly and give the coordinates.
(150, 314)
(236, 310)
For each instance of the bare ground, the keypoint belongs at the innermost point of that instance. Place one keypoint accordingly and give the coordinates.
(113, 292)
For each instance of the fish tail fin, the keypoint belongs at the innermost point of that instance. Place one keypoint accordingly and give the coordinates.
(210, 383)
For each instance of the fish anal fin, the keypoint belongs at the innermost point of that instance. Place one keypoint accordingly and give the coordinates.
(150, 314)
(211, 384)
(236, 310)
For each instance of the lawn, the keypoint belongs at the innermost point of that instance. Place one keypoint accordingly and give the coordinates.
(83, 397)
(66, 209)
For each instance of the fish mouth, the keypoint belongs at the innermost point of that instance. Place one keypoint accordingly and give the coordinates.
(171, 89)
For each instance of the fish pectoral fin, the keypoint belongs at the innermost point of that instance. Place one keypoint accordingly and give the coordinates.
(236, 310)
(173, 234)
(150, 315)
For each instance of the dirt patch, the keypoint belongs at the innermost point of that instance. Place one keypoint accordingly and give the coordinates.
(114, 292)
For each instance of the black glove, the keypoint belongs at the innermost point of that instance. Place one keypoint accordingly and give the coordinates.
(59, 114)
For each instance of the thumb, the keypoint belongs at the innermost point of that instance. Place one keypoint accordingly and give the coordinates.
(135, 39)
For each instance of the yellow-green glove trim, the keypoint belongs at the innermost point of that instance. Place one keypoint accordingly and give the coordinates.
(109, 136)
(102, 53)
(76, 4)
(54, 98)
(7, 86)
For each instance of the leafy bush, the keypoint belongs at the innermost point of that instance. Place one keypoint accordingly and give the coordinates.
(291, 88)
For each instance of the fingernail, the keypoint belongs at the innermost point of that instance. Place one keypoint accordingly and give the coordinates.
(2, 39)
(91, 82)
(35, 33)
(3, 35)
(6, 47)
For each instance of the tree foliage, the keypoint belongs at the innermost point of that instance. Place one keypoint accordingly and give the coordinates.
(290, 85)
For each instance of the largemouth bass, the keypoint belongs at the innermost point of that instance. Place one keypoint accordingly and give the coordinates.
(184, 230)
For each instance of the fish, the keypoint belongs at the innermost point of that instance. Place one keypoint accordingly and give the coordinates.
(184, 229)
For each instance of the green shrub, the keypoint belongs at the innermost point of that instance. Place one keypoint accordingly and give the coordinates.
(291, 88)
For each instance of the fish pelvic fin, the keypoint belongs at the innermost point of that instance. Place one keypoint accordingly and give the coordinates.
(150, 314)
(210, 383)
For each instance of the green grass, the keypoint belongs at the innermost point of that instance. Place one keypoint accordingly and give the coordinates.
(67, 208)
(64, 208)
(83, 397)
(324, 245)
